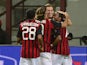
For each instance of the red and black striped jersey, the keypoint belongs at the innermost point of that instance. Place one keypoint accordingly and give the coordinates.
(55, 30)
(46, 31)
(28, 31)
(63, 47)
(47, 28)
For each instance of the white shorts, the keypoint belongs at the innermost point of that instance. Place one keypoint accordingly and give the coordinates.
(61, 59)
(29, 61)
(46, 58)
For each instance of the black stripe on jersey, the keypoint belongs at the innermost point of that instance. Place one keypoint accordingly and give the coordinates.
(43, 42)
(47, 38)
(62, 39)
(61, 42)
(24, 48)
(33, 49)
(36, 50)
(28, 48)
(44, 38)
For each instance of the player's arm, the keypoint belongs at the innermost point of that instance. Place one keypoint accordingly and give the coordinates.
(67, 21)
(58, 39)
(40, 38)
(19, 36)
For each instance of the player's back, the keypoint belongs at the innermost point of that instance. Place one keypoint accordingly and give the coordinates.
(30, 44)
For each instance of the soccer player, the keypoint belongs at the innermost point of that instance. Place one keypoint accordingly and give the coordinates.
(61, 53)
(49, 14)
(47, 26)
(30, 36)
(45, 23)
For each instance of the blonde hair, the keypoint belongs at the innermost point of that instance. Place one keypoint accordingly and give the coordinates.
(40, 12)
(48, 5)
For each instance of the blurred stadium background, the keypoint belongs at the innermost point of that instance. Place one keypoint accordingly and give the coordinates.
(13, 11)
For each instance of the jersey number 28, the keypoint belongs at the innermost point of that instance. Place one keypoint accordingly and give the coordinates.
(29, 30)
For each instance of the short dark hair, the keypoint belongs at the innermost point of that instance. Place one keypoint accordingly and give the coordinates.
(62, 16)
(31, 14)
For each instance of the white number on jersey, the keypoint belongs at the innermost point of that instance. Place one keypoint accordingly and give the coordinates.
(29, 30)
